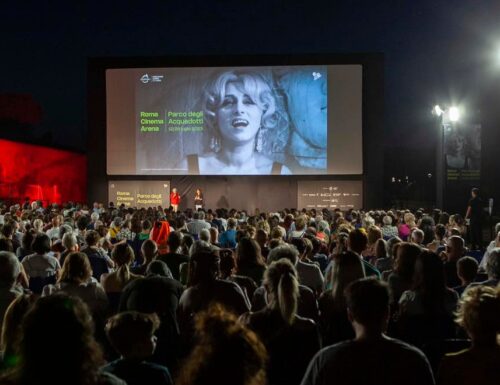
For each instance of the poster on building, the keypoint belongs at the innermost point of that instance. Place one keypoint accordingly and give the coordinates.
(462, 152)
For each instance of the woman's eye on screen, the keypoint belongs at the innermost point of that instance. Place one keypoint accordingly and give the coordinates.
(248, 100)
(228, 101)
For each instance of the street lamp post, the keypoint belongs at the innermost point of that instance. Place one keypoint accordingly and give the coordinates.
(446, 118)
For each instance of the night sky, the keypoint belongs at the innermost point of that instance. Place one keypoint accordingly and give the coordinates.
(435, 51)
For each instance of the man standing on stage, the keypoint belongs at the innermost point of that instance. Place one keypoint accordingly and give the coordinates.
(474, 214)
(175, 199)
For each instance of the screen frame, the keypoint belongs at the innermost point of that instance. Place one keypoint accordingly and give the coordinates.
(372, 111)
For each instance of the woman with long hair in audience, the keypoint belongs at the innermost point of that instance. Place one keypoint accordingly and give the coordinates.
(226, 352)
(76, 280)
(204, 288)
(57, 333)
(401, 278)
(374, 234)
(249, 260)
(479, 315)
(228, 273)
(113, 283)
(335, 327)
(291, 340)
(426, 311)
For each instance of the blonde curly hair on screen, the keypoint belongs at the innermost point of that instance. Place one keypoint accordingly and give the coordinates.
(273, 133)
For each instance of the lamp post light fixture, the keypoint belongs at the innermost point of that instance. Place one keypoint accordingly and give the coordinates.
(447, 118)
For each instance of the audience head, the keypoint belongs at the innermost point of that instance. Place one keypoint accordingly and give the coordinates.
(467, 269)
(455, 247)
(357, 241)
(70, 242)
(406, 258)
(6, 245)
(429, 281)
(76, 268)
(478, 313)
(380, 248)
(346, 269)
(440, 231)
(284, 251)
(200, 246)
(391, 243)
(374, 234)
(493, 264)
(160, 268)
(367, 302)
(231, 223)
(41, 244)
(203, 267)
(300, 223)
(205, 235)
(248, 252)
(91, 238)
(11, 328)
(227, 353)
(174, 241)
(149, 249)
(27, 241)
(38, 225)
(186, 243)
(282, 286)
(132, 334)
(122, 254)
(45, 341)
(9, 269)
(65, 228)
(387, 220)
(417, 237)
(227, 263)
(7, 230)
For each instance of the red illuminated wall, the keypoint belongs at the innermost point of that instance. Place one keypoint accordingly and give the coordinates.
(41, 173)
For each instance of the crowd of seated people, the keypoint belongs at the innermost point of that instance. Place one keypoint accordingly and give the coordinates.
(117, 295)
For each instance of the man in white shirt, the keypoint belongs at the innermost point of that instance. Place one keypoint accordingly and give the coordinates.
(53, 232)
(198, 223)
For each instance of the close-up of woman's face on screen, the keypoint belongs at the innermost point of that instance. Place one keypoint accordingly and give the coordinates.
(280, 120)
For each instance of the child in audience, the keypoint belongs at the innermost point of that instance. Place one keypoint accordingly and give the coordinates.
(132, 335)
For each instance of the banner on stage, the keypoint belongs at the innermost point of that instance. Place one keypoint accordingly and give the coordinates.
(139, 193)
(321, 194)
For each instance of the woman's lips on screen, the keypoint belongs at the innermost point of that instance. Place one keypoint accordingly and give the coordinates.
(237, 123)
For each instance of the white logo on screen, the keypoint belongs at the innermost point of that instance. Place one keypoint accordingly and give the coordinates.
(316, 75)
(153, 78)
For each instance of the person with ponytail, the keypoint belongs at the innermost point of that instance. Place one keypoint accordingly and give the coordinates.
(291, 340)
(113, 283)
